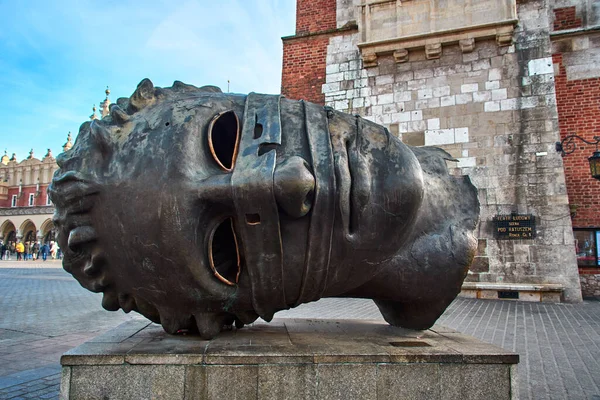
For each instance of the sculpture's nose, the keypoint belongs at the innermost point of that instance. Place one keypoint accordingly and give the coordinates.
(294, 186)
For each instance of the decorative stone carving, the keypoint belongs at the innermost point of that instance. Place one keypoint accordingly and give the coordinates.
(401, 55)
(201, 210)
(467, 45)
(504, 38)
(369, 60)
(26, 211)
(433, 51)
(387, 25)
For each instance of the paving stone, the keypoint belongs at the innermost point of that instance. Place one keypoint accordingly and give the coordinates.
(45, 311)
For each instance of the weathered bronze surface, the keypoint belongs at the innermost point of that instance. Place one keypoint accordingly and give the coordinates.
(201, 210)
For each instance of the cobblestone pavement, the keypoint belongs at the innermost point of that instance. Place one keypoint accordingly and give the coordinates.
(44, 312)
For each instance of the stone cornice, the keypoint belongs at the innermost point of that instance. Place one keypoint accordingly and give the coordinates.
(432, 42)
(574, 32)
(26, 210)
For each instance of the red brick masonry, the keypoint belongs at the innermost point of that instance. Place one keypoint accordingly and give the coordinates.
(578, 104)
(315, 16)
(304, 55)
(566, 18)
(304, 68)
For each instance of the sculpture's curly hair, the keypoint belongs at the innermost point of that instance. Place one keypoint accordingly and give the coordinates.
(74, 193)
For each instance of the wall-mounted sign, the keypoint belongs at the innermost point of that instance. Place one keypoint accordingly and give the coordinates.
(514, 226)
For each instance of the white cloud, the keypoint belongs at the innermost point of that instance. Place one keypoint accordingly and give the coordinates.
(56, 58)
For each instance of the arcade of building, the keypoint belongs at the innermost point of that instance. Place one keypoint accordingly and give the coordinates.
(25, 209)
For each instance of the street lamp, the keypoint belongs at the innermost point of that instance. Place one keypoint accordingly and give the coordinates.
(567, 146)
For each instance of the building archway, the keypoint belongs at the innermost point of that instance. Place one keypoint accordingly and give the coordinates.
(28, 231)
(8, 232)
(48, 231)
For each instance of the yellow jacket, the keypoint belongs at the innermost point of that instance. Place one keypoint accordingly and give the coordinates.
(20, 248)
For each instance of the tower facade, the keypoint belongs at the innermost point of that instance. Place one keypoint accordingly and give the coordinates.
(494, 83)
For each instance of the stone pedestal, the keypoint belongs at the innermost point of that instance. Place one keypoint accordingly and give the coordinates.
(289, 359)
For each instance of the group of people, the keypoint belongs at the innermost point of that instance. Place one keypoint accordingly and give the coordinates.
(30, 250)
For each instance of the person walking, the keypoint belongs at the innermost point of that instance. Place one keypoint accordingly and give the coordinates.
(35, 250)
(53, 249)
(27, 250)
(44, 250)
(20, 250)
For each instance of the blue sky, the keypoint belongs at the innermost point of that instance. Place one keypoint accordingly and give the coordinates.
(57, 57)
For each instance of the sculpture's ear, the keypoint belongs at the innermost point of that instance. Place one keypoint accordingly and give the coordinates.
(211, 89)
(100, 138)
(118, 115)
(123, 102)
(143, 95)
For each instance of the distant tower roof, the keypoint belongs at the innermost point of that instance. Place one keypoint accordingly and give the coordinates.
(4, 160)
(104, 105)
(93, 116)
(67, 145)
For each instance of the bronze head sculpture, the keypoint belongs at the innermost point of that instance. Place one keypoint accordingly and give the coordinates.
(201, 210)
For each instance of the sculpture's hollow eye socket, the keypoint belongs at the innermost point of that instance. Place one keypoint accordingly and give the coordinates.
(223, 253)
(223, 139)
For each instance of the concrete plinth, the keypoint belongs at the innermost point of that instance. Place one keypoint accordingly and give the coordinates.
(289, 359)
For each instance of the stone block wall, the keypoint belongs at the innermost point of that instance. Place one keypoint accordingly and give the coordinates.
(590, 283)
(494, 110)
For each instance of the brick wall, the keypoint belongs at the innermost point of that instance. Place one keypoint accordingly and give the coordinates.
(304, 55)
(578, 103)
(566, 18)
(303, 72)
(314, 16)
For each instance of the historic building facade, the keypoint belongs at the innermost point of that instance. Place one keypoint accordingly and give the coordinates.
(496, 83)
(25, 209)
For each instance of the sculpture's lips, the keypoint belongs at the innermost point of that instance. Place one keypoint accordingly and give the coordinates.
(352, 172)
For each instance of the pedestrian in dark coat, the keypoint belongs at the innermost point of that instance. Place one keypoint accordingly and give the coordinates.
(45, 250)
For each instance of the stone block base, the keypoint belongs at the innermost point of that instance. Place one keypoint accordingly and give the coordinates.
(289, 359)
(547, 293)
(590, 285)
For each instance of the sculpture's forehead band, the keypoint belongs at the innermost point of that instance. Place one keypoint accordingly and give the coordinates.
(256, 207)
